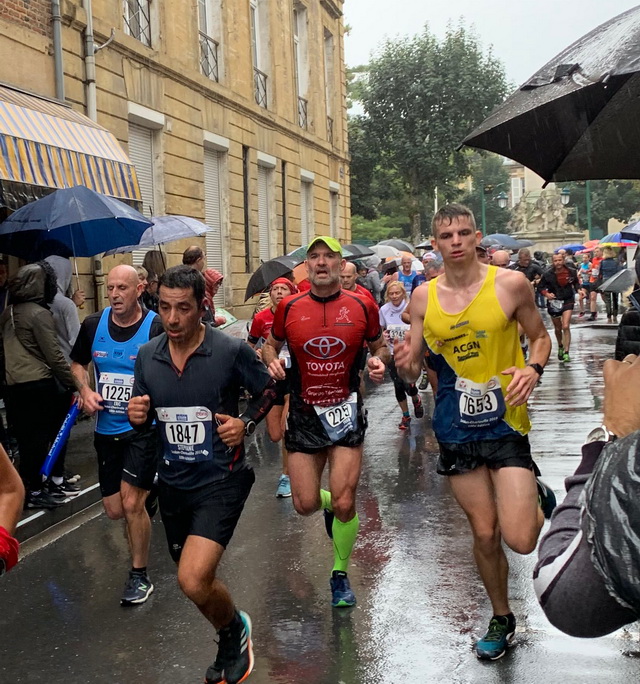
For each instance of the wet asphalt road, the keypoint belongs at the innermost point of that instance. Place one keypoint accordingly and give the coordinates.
(420, 606)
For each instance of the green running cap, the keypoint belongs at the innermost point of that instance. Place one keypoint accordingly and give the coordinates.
(330, 242)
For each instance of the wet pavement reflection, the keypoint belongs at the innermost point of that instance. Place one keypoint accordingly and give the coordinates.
(420, 606)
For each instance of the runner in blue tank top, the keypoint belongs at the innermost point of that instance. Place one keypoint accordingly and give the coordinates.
(126, 459)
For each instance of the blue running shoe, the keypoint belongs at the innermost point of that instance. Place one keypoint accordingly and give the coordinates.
(546, 498)
(493, 644)
(284, 487)
(328, 522)
(234, 661)
(341, 594)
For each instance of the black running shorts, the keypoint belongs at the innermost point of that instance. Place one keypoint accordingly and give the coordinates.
(211, 511)
(567, 305)
(508, 452)
(306, 434)
(131, 457)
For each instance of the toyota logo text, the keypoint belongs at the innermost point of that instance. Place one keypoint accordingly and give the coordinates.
(324, 347)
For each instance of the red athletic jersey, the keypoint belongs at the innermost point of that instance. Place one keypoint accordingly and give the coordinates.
(261, 325)
(365, 293)
(325, 337)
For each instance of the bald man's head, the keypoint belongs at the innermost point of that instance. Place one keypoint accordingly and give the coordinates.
(123, 290)
(348, 276)
(501, 259)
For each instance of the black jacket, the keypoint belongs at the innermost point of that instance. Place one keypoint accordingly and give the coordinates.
(628, 341)
(549, 283)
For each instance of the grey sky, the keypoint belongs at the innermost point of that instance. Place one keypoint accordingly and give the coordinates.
(525, 35)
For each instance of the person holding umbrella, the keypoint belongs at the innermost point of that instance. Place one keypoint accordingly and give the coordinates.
(609, 266)
(127, 459)
(35, 372)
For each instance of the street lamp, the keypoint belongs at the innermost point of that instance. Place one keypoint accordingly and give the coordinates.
(565, 198)
(502, 200)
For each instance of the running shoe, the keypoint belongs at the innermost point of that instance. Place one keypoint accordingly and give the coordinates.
(546, 498)
(62, 490)
(418, 408)
(405, 423)
(581, 314)
(560, 353)
(234, 661)
(566, 358)
(424, 382)
(341, 594)
(493, 644)
(41, 499)
(328, 522)
(137, 589)
(593, 317)
(284, 487)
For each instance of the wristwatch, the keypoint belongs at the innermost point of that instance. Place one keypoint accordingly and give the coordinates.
(537, 368)
(601, 434)
(249, 425)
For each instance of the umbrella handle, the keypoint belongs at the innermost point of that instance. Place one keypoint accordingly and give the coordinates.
(75, 263)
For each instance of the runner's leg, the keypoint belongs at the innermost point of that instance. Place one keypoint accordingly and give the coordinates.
(138, 523)
(566, 329)
(519, 515)
(305, 471)
(474, 492)
(557, 329)
(344, 473)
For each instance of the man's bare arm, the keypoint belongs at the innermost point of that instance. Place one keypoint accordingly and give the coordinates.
(90, 401)
(270, 350)
(409, 354)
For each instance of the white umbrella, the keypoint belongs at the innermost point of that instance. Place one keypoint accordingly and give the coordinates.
(384, 251)
(165, 229)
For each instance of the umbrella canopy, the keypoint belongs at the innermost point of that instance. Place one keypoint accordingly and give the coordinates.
(300, 253)
(425, 245)
(384, 251)
(574, 247)
(165, 229)
(358, 251)
(616, 240)
(631, 232)
(505, 241)
(71, 222)
(577, 117)
(590, 244)
(402, 245)
(268, 272)
(619, 282)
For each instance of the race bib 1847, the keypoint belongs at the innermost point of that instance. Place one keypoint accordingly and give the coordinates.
(187, 433)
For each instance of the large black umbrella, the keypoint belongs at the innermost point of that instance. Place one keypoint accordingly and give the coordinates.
(505, 241)
(268, 272)
(631, 232)
(578, 117)
(359, 250)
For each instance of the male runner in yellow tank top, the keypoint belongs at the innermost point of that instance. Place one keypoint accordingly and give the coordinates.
(468, 319)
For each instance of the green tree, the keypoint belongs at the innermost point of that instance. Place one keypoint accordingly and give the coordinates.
(421, 97)
(609, 199)
(487, 172)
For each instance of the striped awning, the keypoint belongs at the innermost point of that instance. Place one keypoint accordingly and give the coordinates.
(46, 145)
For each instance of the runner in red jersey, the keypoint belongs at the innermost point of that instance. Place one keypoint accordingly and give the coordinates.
(325, 329)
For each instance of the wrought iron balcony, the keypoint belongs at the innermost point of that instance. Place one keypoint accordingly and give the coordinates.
(302, 112)
(260, 87)
(137, 20)
(330, 129)
(209, 56)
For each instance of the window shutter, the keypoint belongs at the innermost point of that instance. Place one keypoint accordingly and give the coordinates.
(213, 216)
(263, 212)
(304, 213)
(141, 154)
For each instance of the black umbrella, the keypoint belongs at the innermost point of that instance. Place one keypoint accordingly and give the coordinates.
(619, 282)
(268, 272)
(577, 117)
(425, 245)
(358, 250)
(504, 240)
(402, 245)
(631, 232)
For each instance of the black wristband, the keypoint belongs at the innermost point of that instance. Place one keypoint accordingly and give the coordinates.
(536, 367)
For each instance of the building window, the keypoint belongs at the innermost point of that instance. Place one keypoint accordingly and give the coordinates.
(329, 77)
(141, 153)
(209, 20)
(213, 166)
(259, 26)
(517, 190)
(301, 61)
(137, 20)
(306, 211)
(265, 196)
(334, 206)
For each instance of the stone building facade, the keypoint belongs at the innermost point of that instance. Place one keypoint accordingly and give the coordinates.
(233, 112)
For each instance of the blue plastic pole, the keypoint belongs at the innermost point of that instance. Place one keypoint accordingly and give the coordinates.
(61, 439)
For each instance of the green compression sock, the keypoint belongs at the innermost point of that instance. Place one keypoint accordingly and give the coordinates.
(325, 499)
(344, 537)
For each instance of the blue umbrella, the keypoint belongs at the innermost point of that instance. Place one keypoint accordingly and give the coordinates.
(575, 247)
(613, 238)
(631, 232)
(71, 222)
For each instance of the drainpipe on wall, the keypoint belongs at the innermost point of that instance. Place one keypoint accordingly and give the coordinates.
(57, 49)
(92, 113)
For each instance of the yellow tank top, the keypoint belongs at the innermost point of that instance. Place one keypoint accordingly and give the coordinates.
(469, 350)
